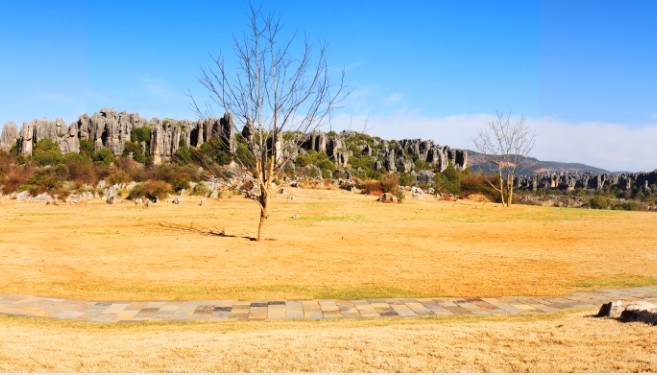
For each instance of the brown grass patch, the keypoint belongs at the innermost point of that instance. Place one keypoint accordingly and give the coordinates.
(340, 244)
(573, 342)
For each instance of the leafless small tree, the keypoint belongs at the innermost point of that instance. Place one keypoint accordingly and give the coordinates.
(271, 92)
(505, 143)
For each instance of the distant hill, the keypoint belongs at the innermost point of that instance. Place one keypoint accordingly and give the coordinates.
(477, 162)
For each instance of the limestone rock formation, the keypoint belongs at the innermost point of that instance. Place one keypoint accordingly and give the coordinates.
(570, 181)
(108, 128)
(9, 136)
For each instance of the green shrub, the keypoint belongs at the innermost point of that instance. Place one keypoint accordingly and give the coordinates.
(213, 150)
(151, 190)
(143, 134)
(178, 176)
(200, 189)
(599, 202)
(421, 165)
(475, 183)
(137, 152)
(104, 156)
(183, 155)
(449, 180)
(47, 152)
(47, 179)
(87, 147)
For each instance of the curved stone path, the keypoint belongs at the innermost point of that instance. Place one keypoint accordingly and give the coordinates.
(308, 309)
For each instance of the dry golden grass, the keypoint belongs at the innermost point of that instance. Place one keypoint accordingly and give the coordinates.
(572, 342)
(341, 245)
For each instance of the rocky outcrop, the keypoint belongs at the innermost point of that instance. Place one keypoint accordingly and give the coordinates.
(9, 136)
(56, 130)
(637, 311)
(644, 181)
(432, 154)
(112, 130)
(334, 146)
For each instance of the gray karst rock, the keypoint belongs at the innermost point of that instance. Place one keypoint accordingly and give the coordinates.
(248, 132)
(389, 162)
(639, 311)
(611, 310)
(336, 149)
(9, 136)
(434, 155)
(26, 137)
(110, 129)
(367, 151)
(594, 182)
(165, 138)
(226, 133)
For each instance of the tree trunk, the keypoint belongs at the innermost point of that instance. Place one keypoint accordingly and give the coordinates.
(509, 186)
(502, 189)
(266, 175)
(264, 213)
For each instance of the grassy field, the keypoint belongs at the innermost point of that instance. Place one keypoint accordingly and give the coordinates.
(564, 342)
(339, 245)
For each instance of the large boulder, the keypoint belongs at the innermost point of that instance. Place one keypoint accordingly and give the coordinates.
(387, 198)
(611, 310)
(640, 311)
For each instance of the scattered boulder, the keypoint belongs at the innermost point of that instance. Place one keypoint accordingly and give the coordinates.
(23, 196)
(611, 310)
(387, 198)
(639, 311)
(44, 197)
(113, 199)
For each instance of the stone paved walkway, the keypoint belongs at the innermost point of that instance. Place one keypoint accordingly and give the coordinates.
(310, 309)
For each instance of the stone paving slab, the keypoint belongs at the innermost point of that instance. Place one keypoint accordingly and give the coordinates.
(309, 309)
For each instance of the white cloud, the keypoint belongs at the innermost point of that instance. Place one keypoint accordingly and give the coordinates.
(653, 116)
(610, 146)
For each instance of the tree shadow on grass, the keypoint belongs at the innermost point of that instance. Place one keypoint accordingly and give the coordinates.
(205, 231)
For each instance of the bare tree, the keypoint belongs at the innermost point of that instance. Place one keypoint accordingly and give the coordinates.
(506, 144)
(269, 93)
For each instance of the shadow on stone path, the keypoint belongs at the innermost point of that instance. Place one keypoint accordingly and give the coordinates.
(310, 309)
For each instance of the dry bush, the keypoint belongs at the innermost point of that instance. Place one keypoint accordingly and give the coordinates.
(16, 177)
(478, 198)
(151, 190)
(475, 183)
(81, 171)
(132, 168)
(389, 183)
(371, 187)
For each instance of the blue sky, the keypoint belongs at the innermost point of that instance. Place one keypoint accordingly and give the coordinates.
(582, 72)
